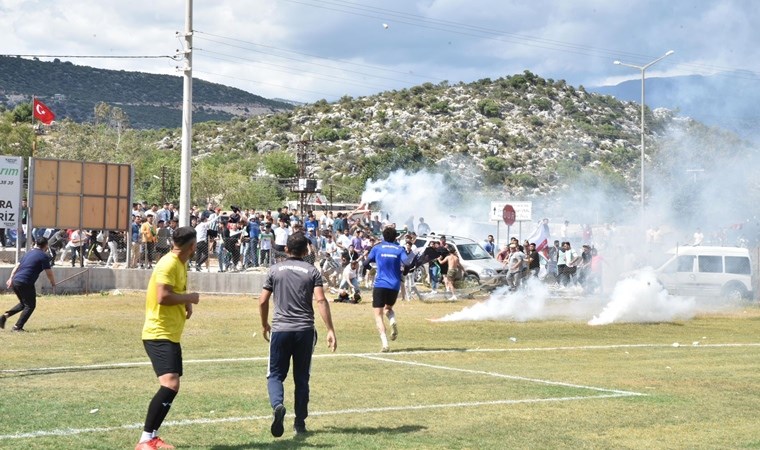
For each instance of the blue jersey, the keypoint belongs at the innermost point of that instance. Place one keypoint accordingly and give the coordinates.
(389, 257)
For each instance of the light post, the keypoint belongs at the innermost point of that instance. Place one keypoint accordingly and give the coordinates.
(643, 72)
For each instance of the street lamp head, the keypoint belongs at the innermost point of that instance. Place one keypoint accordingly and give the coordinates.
(616, 62)
(670, 52)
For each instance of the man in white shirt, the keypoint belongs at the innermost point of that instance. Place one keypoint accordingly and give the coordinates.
(423, 229)
(515, 265)
(201, 248)
(281, 234)
(343, 241)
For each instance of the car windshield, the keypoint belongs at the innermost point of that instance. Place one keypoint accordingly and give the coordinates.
(469, 252)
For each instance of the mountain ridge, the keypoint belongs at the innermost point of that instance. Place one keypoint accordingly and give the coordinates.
(150, 100)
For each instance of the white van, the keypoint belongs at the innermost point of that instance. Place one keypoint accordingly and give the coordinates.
(708, 271)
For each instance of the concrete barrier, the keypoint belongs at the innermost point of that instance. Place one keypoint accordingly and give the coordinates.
(80, 280)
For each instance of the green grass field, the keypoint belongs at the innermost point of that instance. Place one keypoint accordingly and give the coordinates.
(80, 379)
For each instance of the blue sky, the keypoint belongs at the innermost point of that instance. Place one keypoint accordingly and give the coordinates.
(311, 49)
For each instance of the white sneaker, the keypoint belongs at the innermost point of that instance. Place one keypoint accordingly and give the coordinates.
(394, 331)
(453, 297)
(385, 349)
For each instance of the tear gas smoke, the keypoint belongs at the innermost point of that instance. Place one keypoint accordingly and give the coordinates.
(636, 299)
(533, 302)
(719, 196)
(641, 298)
(405, 197)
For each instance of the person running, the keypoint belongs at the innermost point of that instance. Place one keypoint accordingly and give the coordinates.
(167, 306)
(389, 258)
(22, 280)
(295, 285)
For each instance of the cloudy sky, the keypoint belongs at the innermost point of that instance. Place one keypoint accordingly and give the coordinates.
(306, 50)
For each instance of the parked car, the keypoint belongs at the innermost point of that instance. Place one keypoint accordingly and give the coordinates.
(708, 271)
(479, 266)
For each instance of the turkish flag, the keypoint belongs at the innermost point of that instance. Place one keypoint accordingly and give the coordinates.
(42, 112)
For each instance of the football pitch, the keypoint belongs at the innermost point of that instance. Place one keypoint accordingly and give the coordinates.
(80, 379)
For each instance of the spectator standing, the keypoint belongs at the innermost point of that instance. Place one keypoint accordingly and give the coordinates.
(490, 246)
(423, 229)
(266, 239)
(149, 236)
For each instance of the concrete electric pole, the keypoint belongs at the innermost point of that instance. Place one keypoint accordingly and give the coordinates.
(187, 119)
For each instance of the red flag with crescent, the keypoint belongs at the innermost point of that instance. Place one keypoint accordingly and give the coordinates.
(42, 112)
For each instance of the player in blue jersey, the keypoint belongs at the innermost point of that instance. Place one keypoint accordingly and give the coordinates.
(389, 257)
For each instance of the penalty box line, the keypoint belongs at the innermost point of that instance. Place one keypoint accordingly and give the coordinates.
(382, 409)
(616, 392)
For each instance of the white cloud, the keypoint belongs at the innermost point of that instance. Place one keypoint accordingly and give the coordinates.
(441, 39)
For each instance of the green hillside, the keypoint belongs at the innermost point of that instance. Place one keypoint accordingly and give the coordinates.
(151, 101)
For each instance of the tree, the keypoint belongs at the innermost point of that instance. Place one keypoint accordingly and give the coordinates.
(281, 164)
(22, 113)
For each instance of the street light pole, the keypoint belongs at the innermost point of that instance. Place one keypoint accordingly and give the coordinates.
(643, 77)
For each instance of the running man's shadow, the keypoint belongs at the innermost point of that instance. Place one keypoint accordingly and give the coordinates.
(279, 444)
(375, 430)
(302, 442)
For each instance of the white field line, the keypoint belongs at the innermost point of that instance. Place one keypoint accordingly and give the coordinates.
(119, 365)
(203, 421)
(501, 375)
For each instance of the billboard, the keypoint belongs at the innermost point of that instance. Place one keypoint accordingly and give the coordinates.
(80, 194)
(11, 185)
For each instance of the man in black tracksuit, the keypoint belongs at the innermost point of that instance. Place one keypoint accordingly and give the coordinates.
(22, 281)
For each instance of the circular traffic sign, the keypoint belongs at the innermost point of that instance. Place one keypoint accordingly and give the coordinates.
(509, 215)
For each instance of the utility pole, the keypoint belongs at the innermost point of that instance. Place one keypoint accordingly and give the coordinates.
(303, 183)
(187, 118)
(163, 185)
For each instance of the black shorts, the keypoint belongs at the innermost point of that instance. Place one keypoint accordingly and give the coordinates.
(382, 297)
(165, 356)
(212, 234)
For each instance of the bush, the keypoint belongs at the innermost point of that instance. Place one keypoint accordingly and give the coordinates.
(326, 134)
(439, 107)
(488, 108)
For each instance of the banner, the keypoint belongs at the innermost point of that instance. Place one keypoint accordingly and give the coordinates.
(11, 184)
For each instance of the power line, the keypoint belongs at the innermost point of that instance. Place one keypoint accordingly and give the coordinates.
(285, 69)
(346, 7)
(304, 61)
(311, 55)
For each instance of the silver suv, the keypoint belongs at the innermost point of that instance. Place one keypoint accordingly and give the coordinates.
(479, 266)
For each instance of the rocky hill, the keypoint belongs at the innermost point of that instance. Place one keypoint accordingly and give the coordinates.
(520, 136)
(150, 101)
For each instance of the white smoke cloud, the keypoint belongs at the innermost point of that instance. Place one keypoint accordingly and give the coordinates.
(535, 301)
(409, 196)
(640, 298)
(636, 299)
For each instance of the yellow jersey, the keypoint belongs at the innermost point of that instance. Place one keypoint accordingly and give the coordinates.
(162, 321)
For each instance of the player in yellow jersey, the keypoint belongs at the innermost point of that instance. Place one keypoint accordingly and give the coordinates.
(167, 306)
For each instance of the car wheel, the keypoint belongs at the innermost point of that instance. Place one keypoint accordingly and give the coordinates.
(734, 292)
(470, 280)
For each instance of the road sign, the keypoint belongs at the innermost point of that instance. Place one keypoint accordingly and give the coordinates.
(523, 211)
(508, 214)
